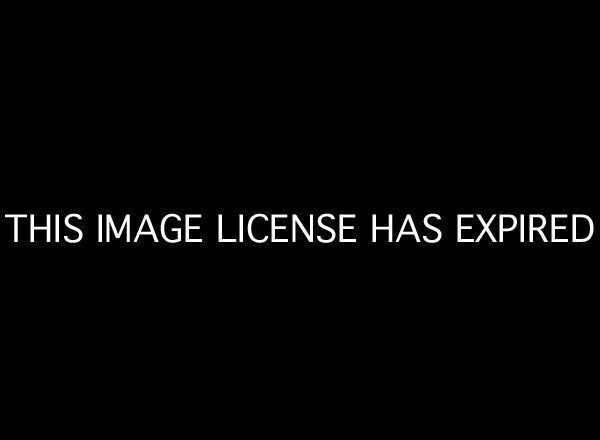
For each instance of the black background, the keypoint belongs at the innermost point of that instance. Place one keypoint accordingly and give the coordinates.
(386, 112)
